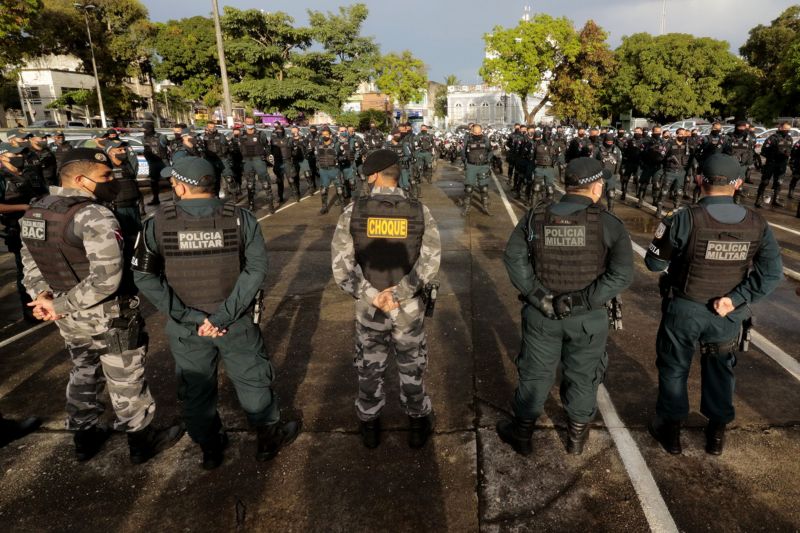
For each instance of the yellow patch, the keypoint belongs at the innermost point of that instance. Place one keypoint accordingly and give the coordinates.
(387, 228)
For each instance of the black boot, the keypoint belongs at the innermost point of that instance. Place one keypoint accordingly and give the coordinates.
(371, 433)
(667, 433)
(420, 428)
(517, 433)
(213, 450)
(11, 430)
(325, 207)
(577, 433)
(760, 199)
(274, 437)
(776, 201)
(89, 441)
(715, 438)
(485, 204)
(149, 442)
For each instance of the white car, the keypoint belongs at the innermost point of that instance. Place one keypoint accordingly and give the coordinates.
(794, 133)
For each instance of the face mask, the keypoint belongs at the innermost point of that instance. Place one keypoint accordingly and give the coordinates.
(105, 191)
(637, 135)
(715, 133)
(741, 133)
(593, 138)
(280, 133)
(396, 138)
(783, 133)
(656, 135)
(326, 138)
(609, 145)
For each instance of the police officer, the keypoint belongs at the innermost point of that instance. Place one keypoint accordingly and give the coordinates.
(281, 149)
(652, 165)
(794, 162)
(776, 150)
(544, 162)
(360, 149)
(677, 164)
(210, 301)
(128, 203)
(403, 153)
(567, 260)
(423, 148)
(385, 265)
(631, 161)
(300, 149)
(579, 146)
(477, 159)
(346, 158)
(155, 153)
(711, 144)
(313, 140)
(326, 157)
(610, 156)
(742, 146)
(215, 148)
(511, 155)
(374, 138)
(16, 192)
(60, 147)
(74, 263)
(721, 257)
(522, 158)
(254, 147)
(234, 186)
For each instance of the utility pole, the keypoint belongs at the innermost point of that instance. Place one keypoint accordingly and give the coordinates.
(86, 8)
(223, 69)
(663, 17)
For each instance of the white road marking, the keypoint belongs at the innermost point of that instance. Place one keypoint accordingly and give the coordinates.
(22, 334)
(653, 504)
(784, 228)
(287, 205)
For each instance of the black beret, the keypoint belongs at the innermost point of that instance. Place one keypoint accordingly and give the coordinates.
(721, 169)
(379, 160)
(608, 137)
(85, 155)
(583, 171)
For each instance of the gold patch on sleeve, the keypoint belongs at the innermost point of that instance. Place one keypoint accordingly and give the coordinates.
(387, 228)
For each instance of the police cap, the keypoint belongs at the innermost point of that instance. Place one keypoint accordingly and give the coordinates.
(85, 155)
(721, 169)
(583, 171)
(379, 160)
(6, 147)
(191, 170)
(19, 133)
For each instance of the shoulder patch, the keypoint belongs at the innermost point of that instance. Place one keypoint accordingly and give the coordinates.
(660, 230)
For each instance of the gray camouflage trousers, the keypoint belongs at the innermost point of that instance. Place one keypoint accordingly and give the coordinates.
(376, 336)
(94, 365)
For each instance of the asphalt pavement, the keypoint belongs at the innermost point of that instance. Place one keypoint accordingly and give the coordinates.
(465, 479)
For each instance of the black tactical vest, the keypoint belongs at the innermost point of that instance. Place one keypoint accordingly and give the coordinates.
(567, 251)
(346, 152)
(718, 256)
(742, 149)
(326, 155)
(399, 150)
(19, 190)
(387, 236)
(425, 142)
(477, 154)
(214, 144)
(251, 145)
(153, 147)
(202, 256)
(677, 157)
(609, 157)
(375, 139)
(128, 195)
(284, 145)
(783, 145)
(543, 154)
(48, 232)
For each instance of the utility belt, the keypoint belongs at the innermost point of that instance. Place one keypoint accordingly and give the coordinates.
(715, 349)
(544, 166)
(126, 203)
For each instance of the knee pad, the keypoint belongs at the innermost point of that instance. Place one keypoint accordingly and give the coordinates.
(468, 189)
(537, 186)
(551, 190)
(484, 189)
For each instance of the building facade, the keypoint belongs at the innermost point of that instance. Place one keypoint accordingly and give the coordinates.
(490, 106)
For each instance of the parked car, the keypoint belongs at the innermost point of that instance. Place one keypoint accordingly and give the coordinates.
(794, 133)
(44, 124)
(76, 124)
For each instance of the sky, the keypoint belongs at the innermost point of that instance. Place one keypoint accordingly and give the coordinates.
(448, 34)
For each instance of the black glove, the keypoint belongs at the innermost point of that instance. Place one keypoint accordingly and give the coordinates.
(543, 301)
(562, 305)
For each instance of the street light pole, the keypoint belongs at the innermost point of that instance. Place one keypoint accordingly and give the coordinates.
(223, 69)
(85, 8)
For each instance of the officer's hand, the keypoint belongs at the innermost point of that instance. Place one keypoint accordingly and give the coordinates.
(43, 307)
(545, 305)
(562, 305)
(723, 306)
(207, 329)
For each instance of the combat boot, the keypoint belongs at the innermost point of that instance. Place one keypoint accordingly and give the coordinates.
(296, 192)
(777, 202)
(149, 442)
(89, 441)
(517, 433)
(11, 430)
(760, 200)
(667, 433)
(420, 428)
(213, 450)
(466, 205)
(325, 207)
(274, 437)
(485, 204)
(577, 433)
(715, 438)
(371, 433)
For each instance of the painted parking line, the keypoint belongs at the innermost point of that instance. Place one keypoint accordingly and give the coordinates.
(22, 334)
(653, 504)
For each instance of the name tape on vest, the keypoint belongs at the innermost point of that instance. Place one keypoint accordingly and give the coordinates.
(387, 228)
(727, 251)
(565, 236)
(200, 240)
(33, 229)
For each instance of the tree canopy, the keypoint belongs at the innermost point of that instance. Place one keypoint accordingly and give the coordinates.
(402, 77)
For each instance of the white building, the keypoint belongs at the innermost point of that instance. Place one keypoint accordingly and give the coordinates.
(490, 106)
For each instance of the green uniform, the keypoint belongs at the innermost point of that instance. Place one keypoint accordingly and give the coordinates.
(578, 341)
(241, 348)
(686, 323)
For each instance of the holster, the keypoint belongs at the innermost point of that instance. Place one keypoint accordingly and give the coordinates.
(715, 349)
(125, 332)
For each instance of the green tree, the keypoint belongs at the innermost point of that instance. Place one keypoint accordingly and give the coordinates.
(440, 104)
(15, 26)
(577, 87)
(521, 58)
(774, 52)
(188, 55)
(672, 76)
(402, 77)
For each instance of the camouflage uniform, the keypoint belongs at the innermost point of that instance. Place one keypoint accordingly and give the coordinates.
(89, 309)
(401, 331)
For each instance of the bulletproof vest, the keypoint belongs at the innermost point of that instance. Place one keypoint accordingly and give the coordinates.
(251, 145)
(654, 152)
(19, 189)
(153, 146)
(47, 230)
(326, 155)
(718, 256)
(783, 146)
(609, 157)
(477, 154)
(128, 195)
(387, 236)
(518, 142)
(214, 144)
(425, 143)
(32, 171)
(543, 154)
(633, 149)
(298, 148)
(712, 145)
(742, 149)
(677, 156)
(202, 255)
(399, 150)
(284, 145)
(567, 251)
(346, 153)
(48, 163)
